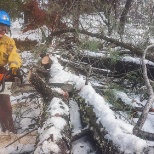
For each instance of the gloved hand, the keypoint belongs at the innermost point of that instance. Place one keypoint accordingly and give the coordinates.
(14, 70)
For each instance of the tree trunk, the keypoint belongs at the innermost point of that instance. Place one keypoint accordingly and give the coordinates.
(123, 17)
(117, 68)
(52, 138)
(136, 50)
(76, 17)
(98, 131)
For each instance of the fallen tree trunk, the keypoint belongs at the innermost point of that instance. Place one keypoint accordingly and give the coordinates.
(52, 137)
(82, 68)
(98, 131)
(106, 67)
(124, 45)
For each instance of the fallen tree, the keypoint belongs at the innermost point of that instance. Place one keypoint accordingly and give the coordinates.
(105, 66)
(98, 130)
(52, 138)
(136, 50)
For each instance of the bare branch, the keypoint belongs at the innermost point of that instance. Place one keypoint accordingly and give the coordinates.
(21, 137)
(143, 117)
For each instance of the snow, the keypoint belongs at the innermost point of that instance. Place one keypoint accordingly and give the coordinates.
(28, 147)
(94, 54)
(17, 33)
(57, 123)
(124, 97)
(81, 146)
(136, 60)
(75, 117)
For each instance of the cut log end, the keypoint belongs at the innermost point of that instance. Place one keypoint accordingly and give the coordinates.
(46, 62)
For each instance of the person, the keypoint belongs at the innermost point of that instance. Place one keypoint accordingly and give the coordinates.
(8, 57)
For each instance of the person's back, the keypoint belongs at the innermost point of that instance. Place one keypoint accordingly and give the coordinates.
(8, 56)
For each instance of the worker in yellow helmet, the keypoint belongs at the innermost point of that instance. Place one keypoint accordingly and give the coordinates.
(10, 56)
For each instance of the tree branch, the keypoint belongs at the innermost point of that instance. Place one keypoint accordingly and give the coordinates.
(128, 46)
(143, 117)
(21, 137)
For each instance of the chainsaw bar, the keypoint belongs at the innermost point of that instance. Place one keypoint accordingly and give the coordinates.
(25, 88)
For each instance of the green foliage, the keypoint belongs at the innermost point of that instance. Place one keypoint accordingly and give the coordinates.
(110, 96)
(134, 80)
(119, 106)
(109, 93)
(91, 45)
(12, 7)
(40, 49)
(114, 56)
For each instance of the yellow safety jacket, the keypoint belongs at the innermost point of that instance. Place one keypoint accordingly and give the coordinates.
(8, 53)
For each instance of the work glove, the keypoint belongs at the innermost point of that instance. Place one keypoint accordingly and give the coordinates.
(15, 71)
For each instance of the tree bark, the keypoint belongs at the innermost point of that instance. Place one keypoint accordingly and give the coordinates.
(98, 131)
(53, 102)
(123, 17)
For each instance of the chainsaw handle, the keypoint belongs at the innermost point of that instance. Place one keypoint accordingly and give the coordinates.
(2, 83)
(4, 79)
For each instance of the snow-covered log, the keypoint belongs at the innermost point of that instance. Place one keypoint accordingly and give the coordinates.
(82, 68)
(118, 67)
(54, 132)
(98, 131)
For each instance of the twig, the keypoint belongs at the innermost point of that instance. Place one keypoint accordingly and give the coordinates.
(88, 75)
(21, 137)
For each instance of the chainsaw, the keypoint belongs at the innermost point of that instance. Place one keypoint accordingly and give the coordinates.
(18, 86)
(7, 76)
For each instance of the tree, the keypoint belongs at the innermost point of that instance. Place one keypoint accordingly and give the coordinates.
(123, 17)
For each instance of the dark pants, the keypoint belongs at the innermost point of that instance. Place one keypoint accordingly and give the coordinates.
(6, 119)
